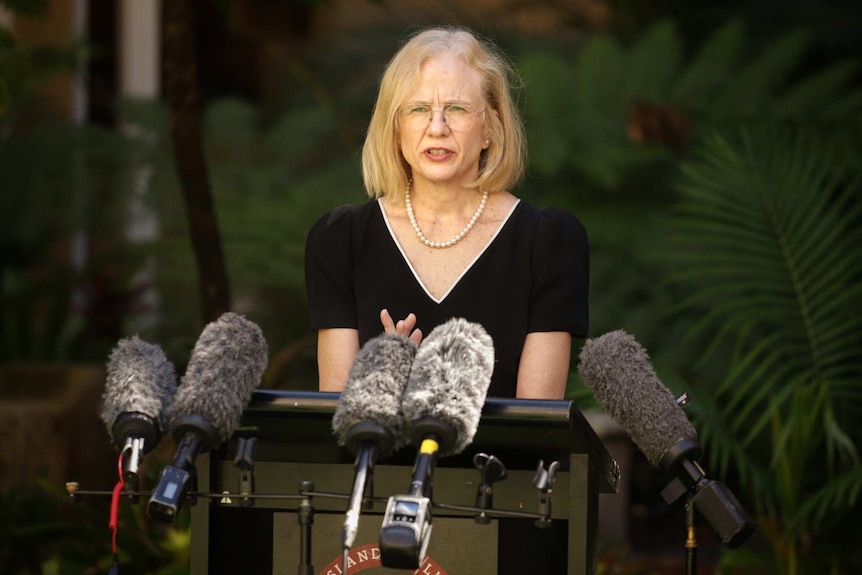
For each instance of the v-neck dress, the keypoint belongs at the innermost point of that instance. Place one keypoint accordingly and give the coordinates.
(533, 276)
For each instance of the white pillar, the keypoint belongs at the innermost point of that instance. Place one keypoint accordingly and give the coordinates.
(139, 65)
(139, 48)
(139, 77)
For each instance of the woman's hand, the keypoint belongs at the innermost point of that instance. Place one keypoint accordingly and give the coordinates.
(405, 327)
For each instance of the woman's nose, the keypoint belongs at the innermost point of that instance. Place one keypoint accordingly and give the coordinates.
(438, 122)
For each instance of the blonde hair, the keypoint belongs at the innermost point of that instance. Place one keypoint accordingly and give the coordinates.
(501, 166)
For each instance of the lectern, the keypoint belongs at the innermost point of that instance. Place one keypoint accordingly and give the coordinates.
(295, 488)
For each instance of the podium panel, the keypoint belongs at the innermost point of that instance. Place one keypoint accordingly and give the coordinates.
(461, 547)
(298, 467)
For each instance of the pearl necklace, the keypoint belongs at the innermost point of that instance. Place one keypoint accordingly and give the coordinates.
(454, 240)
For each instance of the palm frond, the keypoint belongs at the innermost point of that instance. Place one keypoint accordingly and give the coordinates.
(653, 62)
(711, 65)
(759, 80)
(766, 238)
(837, 496)
(815, 92)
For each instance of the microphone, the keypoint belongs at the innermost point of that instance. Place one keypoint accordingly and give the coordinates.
(442, 405)
(140, 384)
(226, 365)
(618, 371)
(368, 419)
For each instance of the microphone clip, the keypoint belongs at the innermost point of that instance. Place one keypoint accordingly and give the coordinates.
(492, 470)
(544, 482)
(132, 455)
(244, 461)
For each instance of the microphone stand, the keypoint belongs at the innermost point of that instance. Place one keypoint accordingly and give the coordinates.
(305, 516)
(365, 460)
(368, 439)
(691, 538)
(690, 531)
(406, 529)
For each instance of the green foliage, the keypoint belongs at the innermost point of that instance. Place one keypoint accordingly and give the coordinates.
(654, 63)
(56, 199)
(28, 8)
(587, 98)
(712, 64)
(765, 263)
(628, 108)
(43, 532)
(49, 207)
(24, 69)
(269, 181)
(35, 317)
(610, 123)
(766, 294)
(766, 240)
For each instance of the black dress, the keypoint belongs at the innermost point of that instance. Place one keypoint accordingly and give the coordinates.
(532, 277)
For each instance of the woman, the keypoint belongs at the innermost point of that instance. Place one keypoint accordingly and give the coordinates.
(443, 236)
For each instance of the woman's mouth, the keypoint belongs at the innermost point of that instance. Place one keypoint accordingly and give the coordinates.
(438, 153)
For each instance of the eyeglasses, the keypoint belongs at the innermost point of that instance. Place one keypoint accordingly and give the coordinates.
(459, 117)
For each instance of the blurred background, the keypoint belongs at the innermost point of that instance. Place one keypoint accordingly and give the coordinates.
(161, 163)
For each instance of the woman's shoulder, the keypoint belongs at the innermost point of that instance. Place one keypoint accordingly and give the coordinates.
(343, 219)
(347, 213)
(549, 219)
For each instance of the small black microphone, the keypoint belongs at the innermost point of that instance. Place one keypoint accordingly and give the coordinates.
(618, 371)
(140, 384)
(442, 405)
(368, 419)
(226, 365)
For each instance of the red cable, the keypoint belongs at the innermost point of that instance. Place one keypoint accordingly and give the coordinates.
(115, 503)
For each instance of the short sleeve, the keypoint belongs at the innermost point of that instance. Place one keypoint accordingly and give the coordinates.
(329, 271)
(560, 268)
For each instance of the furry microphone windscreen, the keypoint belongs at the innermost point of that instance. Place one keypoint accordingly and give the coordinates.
(618, 371)
(450, 379)
(140, 379)
(226, 366)
(374, 387)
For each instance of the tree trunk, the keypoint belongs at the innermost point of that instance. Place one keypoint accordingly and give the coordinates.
(181, 89)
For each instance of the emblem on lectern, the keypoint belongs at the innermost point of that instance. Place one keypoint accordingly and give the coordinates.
(365, 557)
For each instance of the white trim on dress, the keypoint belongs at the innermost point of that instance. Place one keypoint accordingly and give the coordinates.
(466, 269)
